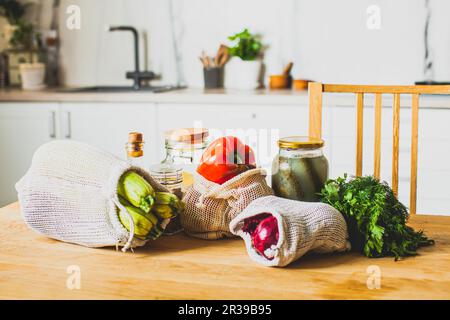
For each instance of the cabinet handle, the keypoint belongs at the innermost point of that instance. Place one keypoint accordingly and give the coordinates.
(68, 133)
(52, 125)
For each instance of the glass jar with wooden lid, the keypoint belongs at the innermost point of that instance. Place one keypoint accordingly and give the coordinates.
(184, 149)
(300, 169)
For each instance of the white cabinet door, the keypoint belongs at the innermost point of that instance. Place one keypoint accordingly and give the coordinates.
(106, 125)
(23, 128)
(259, 126)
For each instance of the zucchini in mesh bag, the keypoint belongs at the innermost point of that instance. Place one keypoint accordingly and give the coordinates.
(70, 193)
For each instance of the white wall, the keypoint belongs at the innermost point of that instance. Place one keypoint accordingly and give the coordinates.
(327, 39)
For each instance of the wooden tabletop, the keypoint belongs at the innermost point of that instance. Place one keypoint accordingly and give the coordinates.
(179, 267)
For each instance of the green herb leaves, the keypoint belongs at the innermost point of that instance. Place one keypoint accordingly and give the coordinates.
(376, 220)
(248, 46)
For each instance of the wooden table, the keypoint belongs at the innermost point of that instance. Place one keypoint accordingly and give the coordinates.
(179, 267)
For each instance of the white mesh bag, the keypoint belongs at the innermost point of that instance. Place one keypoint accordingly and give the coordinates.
(302, 226)
(70, 194)
(210, 206)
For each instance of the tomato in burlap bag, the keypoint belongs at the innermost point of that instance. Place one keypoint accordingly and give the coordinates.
(210, 206)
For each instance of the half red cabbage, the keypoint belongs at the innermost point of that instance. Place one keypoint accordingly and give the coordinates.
(263, 229)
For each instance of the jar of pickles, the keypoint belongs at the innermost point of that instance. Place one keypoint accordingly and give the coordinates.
(300, 169)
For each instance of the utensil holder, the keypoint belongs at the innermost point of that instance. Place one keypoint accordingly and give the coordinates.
(213, 77)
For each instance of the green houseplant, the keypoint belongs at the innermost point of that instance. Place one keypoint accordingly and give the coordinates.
(12, 10)
(21, 39)
(247, 47)
(245, 69)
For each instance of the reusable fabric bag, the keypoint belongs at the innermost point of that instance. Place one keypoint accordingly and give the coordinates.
(302, 226)
(210, 206)
(70, 194)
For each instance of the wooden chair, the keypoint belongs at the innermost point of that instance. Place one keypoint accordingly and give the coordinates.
(315, 123)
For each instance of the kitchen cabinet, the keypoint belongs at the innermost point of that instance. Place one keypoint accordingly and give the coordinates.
(23, 128)
(106, 125)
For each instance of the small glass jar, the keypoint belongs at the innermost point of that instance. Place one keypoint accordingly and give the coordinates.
(300, 169)
(135, 149)
(184, 149)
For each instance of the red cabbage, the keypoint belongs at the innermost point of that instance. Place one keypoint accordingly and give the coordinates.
(263, 229)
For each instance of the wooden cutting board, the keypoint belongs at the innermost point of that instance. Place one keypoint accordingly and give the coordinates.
(180, 267)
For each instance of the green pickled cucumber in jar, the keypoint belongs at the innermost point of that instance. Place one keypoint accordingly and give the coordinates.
(300, 169)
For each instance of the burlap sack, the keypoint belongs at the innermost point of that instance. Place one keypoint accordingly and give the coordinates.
(302, 226)
(70, 194)
(210, 206)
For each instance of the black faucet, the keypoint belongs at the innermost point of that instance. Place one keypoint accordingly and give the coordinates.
(136, 75)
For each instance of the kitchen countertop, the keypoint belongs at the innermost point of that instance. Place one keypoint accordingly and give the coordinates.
(215, 96)
(180, 267)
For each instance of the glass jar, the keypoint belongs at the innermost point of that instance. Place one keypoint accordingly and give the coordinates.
(300, 169)
(184, 149)
(135, 149)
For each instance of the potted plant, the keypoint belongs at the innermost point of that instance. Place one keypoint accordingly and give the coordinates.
(32, 73)
(22, 39)
(12, 11)
(244, 71)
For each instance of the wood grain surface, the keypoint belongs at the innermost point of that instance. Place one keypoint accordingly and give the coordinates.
(178, 267)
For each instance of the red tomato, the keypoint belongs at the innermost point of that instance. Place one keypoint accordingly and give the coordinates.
(225, 158)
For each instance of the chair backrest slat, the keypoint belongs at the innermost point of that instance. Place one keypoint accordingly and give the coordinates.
(414, 152)
(315, 124)
(359, 134)
(395, 142)
(377, 147)
(315, 114)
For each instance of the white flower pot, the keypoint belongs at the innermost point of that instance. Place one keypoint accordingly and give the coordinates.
(32, 76)
(241, 74)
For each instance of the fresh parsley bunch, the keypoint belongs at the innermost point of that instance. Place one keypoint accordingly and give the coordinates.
(376, 220)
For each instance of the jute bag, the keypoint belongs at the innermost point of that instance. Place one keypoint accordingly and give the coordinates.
(210, 206)
(302, 226)
(70, 194)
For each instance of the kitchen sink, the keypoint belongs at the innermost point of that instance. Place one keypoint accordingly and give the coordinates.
(153, 89)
